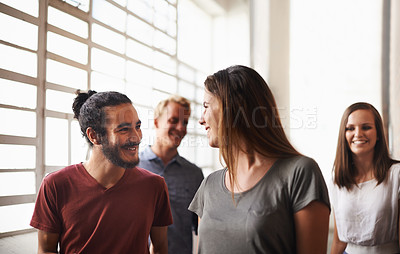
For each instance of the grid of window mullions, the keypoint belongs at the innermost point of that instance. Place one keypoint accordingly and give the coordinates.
(43, 85)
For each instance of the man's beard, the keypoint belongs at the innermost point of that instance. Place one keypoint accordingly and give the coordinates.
(112, 153)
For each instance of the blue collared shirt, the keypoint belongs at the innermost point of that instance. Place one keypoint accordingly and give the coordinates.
(183, 178)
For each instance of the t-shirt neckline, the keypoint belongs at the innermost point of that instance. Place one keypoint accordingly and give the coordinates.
(226, 190)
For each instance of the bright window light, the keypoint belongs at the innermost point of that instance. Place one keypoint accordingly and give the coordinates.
(11, 59)
(26, 94)
(109, 14)
(15, 217)
(17, 122)
(13, 158)
(59, 101)
(18, 32)
(18, 183)
(67, 22)
(27, 6)
(56, 142)
(105, 62)
(67, 48)
(108, 38)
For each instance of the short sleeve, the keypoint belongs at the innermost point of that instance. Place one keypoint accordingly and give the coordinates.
(45, 215)
(307, 185)
(162, 214)
(197, 203)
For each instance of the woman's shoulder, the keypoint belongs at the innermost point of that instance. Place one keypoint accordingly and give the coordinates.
(214, 176)
(394, 171)
(299, 162)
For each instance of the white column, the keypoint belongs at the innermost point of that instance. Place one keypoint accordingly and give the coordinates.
(394, 127)
(270, 49)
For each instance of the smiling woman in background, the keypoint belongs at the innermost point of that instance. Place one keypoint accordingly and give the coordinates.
(269, 198)
(365, 187)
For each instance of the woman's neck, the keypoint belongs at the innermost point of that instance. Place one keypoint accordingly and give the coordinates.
(249, 171)
(364, 166)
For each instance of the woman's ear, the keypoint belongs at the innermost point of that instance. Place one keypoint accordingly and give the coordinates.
(93, 137)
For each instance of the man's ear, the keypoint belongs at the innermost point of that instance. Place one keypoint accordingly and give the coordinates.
(156, 122)
(93, 137)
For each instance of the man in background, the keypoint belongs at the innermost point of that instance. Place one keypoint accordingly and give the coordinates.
(183, 178)
(106, 204)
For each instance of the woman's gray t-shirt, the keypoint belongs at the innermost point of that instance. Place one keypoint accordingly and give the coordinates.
(261, 219)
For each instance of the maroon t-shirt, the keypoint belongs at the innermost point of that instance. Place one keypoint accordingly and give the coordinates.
(93, 219)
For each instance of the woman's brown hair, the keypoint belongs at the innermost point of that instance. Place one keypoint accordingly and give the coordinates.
(343, 167)
(249, 117)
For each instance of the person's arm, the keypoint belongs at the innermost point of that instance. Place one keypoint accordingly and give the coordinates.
(312, 226)
(159, 240)
(47, 242)
(337, 245)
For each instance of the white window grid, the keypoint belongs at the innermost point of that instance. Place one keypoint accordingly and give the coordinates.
(187, 80)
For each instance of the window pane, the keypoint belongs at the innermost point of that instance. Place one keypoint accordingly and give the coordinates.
(18, 183)
(102, 83)
(165, 43)
(26, 94)
(56, 142)
(157, 97)
(186, 90)
(138, 74)
(195, 29)
(81, 4)
(109, 14)
(142, 8)
(204, 153)
(108, 38)
(139, 52)
(140, 30)
(121, 2)
(67, 22)
(11, 156)
(196, 113)
(164, 82)
(11, 59)
(164, 62)
(18, 122)
(66, 47)
(28, 6)
(59, 101)
(200, 95)
(186, 73)
(139, 94)
(18, 32)
(172, 1)
(185, 149)
(15, 217)
(66, 75)
(108, 63)
(146, 116)
(79, 146)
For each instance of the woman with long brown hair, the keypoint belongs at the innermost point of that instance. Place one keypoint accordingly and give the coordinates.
(269, 198)
(365, 187)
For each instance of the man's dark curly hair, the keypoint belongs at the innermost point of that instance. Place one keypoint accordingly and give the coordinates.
(88, 109)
